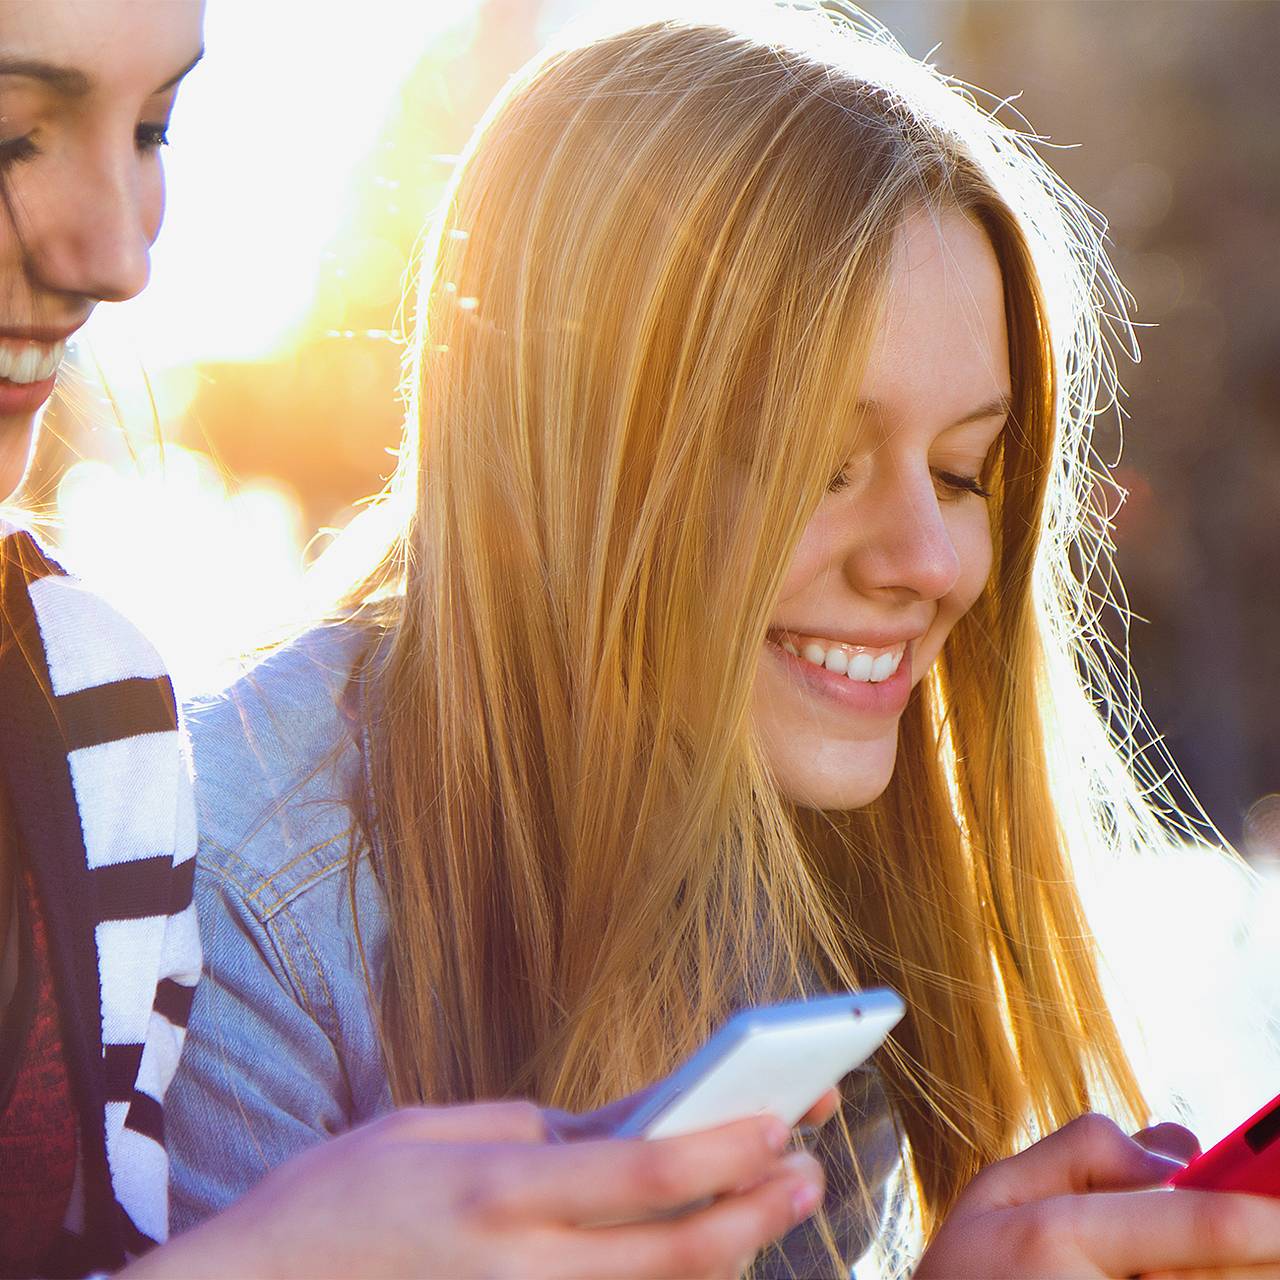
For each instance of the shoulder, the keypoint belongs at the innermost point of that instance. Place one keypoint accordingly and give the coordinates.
(85, 683)
(277, 763)
(87, 642)
(100, 791)
(280, 887)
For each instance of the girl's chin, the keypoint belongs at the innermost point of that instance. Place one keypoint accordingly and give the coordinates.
(848, 778)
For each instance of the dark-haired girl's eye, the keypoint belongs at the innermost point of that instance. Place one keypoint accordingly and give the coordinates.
(150, 137)
(16, 150)
(958, 484)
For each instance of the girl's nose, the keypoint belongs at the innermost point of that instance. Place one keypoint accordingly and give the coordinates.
(903, 546)
(91, 235)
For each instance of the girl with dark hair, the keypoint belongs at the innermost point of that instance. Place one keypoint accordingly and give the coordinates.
(99, 952)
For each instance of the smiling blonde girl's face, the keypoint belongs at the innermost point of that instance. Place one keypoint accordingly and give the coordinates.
(900, 547)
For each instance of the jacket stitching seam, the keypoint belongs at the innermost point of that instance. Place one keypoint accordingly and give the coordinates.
(269, 881)
(283, 952)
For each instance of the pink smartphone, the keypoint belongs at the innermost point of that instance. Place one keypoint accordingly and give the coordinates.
(1246, 1160)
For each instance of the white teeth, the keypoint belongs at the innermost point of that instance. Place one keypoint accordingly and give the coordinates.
(30, 362)
(862, 667)
(883, 667)
(837, 661)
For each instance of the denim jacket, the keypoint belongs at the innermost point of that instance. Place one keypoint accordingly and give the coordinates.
(282, 1049)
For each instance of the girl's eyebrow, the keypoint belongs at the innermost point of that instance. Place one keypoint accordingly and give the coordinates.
(1000, 407)
(68, 81)
(182, 75)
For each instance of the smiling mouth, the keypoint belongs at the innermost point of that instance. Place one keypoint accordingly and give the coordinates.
(23, 363)
(859, 663)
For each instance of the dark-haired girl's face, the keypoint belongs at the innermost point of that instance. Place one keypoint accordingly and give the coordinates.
(86, 89)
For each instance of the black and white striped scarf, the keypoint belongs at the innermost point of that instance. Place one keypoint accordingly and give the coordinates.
(100, 789)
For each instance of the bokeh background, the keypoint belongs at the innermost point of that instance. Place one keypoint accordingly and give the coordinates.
(256, 380)
(307, 154)
(225, 424)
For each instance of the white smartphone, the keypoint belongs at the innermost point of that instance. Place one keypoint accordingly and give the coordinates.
(778, 1058)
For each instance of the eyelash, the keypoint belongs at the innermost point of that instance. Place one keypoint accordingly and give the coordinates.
(15, 151)
(956, 483)
(151, 137)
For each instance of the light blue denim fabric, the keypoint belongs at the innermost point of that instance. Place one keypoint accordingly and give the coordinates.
(282, 1049)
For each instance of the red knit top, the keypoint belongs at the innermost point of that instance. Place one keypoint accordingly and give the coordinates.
(37, 1125)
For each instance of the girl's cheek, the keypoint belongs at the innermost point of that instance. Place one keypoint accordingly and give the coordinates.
(153, 202)
(812, 557)
(975, 552)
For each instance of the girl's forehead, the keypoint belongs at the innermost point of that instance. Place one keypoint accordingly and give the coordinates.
(942, 338)
(77, 48)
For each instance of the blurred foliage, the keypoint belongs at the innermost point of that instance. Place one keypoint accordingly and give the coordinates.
(1171, 104)
(324, 416)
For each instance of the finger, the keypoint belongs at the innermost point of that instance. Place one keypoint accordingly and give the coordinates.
(621, 1179)
(1091, 1153)
(1265, 1271)
(471, 1122)
(821, 1111)
(715, 1241)
(1173, 1140)
(1138, 1232)
(600, 1123)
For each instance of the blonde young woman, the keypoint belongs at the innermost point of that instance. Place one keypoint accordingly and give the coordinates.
(730, 652)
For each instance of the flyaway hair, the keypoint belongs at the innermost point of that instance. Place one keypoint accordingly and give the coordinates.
(643, 318)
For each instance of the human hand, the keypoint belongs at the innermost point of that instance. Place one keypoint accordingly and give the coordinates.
(480, 1191)
(1089, 1202)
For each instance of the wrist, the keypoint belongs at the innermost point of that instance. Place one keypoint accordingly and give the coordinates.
(210, 1251)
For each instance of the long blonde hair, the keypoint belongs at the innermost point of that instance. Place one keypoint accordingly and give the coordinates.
(643, 317)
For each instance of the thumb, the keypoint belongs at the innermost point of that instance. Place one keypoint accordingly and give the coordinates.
(1091, 1153)
(603, 1122)
(473, 1122)
(1169, 1139)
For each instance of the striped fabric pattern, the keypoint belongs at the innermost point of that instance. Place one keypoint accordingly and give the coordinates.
(111, 705)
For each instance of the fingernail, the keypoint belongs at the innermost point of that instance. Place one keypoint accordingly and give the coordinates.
(776, 1134)
(805, 1198)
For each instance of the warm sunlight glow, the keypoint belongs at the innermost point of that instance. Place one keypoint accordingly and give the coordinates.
(215, 427)
(187, 588)
(266, 137)
(1193, 946)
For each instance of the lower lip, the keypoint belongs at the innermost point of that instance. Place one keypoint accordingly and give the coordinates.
(24, 397)
(888, 698)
